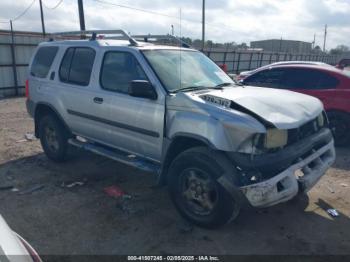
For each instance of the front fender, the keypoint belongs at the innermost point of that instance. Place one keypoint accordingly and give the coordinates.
(224, 133)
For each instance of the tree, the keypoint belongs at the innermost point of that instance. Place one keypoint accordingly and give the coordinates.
(339, 50)
(243, 46)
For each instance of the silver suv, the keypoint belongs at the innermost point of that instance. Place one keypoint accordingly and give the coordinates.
(174, 112)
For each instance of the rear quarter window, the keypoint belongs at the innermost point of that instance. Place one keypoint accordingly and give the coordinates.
(43, 60)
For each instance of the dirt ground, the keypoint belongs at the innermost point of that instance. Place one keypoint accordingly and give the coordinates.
(85, 220)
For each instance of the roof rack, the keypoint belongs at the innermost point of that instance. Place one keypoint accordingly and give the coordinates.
(154, 38)
(120, 34)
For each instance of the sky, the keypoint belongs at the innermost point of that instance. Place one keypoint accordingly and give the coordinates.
(226, 20)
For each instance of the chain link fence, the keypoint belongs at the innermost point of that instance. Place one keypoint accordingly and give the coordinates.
(237, 61)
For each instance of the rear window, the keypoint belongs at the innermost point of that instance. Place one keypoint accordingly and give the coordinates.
(77, 65)
(43, 60)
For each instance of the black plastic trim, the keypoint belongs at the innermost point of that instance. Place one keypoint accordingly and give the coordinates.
(113, 123)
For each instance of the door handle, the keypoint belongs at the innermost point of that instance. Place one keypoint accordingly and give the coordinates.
(98, 100)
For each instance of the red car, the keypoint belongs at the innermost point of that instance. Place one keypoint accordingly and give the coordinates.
(343, 64)
(329, 84)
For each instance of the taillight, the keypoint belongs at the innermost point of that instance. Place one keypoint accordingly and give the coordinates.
(27, 88)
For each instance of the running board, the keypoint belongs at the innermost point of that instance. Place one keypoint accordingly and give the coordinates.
(117, 155)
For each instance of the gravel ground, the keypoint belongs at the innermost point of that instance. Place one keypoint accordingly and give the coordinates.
(85, 220)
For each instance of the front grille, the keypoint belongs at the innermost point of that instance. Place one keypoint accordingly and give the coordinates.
(302, 132)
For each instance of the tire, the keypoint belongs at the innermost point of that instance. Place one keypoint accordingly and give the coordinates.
(53, 137)
(195, 192)
(340, 125)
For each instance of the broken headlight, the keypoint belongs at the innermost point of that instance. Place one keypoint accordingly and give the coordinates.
(275, 138)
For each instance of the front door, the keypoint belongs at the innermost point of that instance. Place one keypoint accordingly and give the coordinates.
(136, 124)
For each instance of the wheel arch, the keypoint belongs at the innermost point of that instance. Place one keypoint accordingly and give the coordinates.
(42, 109)
(174, 146)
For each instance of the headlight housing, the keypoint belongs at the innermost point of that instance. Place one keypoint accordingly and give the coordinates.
(275, 138)
(320, 120)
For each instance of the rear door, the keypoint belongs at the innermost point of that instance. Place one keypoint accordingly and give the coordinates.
(77, 79)
(314, 82)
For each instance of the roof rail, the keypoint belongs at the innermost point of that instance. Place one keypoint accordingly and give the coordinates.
(82, 34)
(150, 38)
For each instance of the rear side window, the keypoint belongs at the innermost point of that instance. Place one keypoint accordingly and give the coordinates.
(267, 78)
(76, 65)
(43, 60)
(311, 79)
(118, 70)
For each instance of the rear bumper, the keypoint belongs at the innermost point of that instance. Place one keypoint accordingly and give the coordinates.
(30, 107)
(287, 184)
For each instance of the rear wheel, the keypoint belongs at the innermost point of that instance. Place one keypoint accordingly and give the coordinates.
(193, 187)
(53, 138)
(340, 125)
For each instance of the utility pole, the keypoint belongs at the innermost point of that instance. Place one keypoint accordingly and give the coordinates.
(203, 24)
(325, 38)
(314, 42)
(81, 15)
(42, 18)
(172, 30)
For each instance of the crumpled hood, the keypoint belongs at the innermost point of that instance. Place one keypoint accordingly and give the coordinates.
(284, 109)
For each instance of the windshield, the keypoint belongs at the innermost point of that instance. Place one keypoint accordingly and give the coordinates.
(180, 70)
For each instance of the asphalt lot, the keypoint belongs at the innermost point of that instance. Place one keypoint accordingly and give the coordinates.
(85, 220)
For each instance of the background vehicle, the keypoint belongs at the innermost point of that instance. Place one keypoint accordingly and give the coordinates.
(174, 112)
(329, 84)
(343, 64)
(13, 247)
(245, 74)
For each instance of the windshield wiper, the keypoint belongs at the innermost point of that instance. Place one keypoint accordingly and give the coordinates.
(191, 88)
(219, 86)
(224, 84)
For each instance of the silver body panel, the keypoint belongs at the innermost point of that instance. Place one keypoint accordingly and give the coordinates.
(142, 126)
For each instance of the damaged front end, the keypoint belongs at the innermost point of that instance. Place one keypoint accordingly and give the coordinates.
(275, 166)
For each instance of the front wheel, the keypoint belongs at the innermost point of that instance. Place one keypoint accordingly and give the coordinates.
(193, 187)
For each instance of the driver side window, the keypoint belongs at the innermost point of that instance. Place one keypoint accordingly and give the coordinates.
(118, 70)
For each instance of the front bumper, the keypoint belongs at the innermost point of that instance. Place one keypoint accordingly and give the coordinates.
(287, 184)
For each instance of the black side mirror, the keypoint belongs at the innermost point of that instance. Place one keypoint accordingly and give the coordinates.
(142, 88)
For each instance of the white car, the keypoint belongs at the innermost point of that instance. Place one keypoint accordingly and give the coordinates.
(13, 248)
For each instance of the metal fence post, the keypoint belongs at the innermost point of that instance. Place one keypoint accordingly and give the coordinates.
(250, 60)
(238, 61)
(14, 69)
(261, 59)
(270, 60)
(225, 54)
